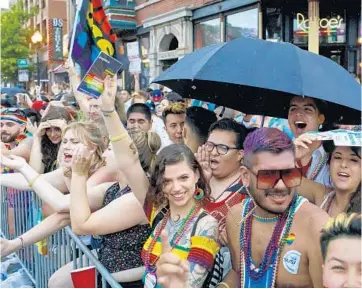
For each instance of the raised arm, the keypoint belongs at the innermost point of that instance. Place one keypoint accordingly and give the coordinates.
(123, 146)
(74, 83)
(36, 155)
(126, 210)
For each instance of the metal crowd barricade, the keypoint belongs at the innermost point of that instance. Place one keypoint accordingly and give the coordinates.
(62, 247)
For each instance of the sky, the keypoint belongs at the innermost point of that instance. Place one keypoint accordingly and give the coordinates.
(4, 3)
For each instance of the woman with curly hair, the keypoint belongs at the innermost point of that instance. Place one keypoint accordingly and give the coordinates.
(175, 193)
(47, 140)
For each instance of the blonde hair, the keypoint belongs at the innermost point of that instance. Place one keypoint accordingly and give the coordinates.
(147, 144)
(174, 108)
(343, 225)
(90, 135)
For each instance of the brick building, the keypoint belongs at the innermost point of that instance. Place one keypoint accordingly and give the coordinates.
(43, 22)
(169, 29)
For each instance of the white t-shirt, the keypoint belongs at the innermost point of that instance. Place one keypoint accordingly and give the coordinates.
(158, 127)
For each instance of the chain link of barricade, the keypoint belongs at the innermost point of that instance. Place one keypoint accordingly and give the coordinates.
(20, 211)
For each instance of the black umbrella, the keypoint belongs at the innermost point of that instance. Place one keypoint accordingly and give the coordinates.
(260, 77)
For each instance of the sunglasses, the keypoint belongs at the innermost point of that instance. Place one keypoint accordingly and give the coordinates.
(267, 179)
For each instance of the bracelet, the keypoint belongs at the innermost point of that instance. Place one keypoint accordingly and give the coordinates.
(107, 112)
(224, 284)
(118, 138)
(22, 242)
(31, 182)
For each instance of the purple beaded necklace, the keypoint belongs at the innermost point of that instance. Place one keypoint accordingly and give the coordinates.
(274, 248)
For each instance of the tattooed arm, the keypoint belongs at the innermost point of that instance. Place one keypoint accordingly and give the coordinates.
(206, 227)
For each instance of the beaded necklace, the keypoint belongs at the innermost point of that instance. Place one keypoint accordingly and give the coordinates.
(321, 163)
(150, 268)
(266, 220)
(274, 248)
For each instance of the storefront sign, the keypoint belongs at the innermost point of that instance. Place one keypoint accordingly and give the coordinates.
(133, 55)
(324, 23)
(172, 54)
(56, 39)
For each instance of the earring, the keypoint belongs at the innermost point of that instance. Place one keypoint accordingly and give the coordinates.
(199, 194)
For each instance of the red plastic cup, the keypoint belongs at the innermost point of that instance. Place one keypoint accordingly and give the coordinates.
(84, 277)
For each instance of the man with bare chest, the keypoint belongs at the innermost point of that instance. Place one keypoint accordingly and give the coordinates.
(274, 236)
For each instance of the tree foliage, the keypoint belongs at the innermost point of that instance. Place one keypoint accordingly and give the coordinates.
(15, 38)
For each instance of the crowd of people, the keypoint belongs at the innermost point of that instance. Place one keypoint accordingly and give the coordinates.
(171, 192)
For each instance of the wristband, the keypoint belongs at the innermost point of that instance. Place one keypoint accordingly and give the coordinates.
(107, 112)
(31, 182)
(22, 242)
(118, 138)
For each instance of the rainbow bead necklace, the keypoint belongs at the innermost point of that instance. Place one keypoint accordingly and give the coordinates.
(274, 248)
(175, 239)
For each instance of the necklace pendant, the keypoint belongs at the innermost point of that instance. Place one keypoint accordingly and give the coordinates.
(150, 280)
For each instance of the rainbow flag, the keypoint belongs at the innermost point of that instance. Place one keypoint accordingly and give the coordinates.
(92, 33)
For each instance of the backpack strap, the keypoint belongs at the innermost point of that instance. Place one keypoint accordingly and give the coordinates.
(159, 217)
(202, 215)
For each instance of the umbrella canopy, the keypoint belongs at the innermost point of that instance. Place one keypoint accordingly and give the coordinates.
(13, 90)
(260, 77)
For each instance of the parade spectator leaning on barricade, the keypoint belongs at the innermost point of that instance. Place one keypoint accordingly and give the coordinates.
(147, 144)
(47, 139)
(14, 138)
(171, 198)
(341, 245)
(50, 186)
(123, 239)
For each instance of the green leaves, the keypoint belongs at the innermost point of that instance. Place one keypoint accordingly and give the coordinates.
(15, 38)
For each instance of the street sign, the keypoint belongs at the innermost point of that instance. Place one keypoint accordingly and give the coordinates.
(23, 75)
(23, 63)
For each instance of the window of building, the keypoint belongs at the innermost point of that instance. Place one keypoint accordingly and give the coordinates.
(145, 74)
(43, 4)
(206, 33)
(273, 24)
(244, 23)
(332, 28)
